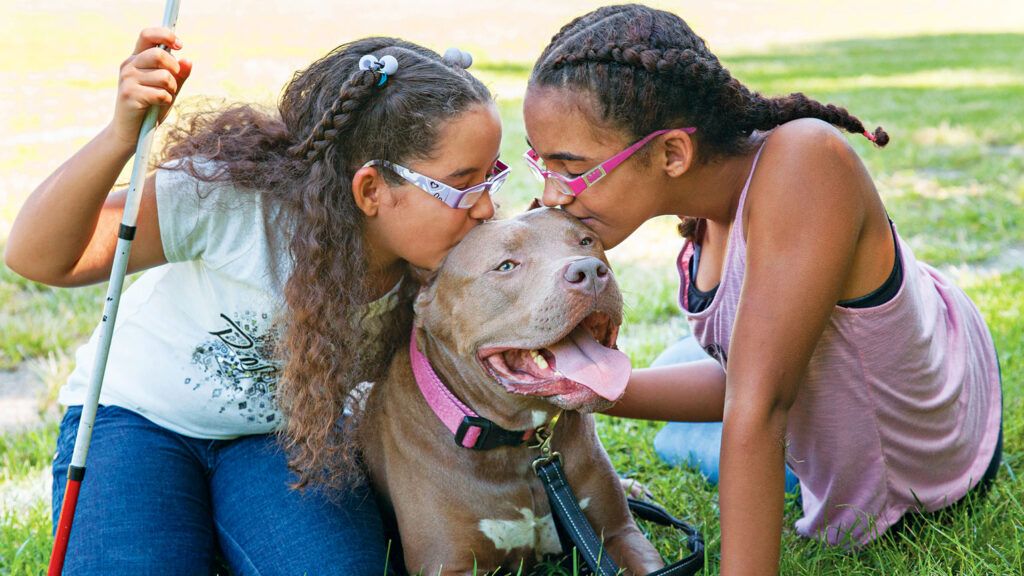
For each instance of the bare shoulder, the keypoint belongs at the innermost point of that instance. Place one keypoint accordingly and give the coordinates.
(810, 164)
(808, 144)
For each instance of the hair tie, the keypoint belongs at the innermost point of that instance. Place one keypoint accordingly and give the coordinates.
(457, 57)
(386, 66)
(870, 136)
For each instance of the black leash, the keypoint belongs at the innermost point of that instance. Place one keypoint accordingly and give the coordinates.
(575, 530)
(694, 541)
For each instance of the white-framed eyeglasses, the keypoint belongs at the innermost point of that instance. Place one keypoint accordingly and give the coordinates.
(453, 197)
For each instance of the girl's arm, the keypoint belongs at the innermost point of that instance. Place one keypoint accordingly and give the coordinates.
(66, 232)
(804, 222)
(688, 392)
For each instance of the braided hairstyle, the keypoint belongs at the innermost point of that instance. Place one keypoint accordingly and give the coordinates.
(646, 70)
(332, 118)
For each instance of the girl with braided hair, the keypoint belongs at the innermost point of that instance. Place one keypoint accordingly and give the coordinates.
(834, 350)
(277, 245)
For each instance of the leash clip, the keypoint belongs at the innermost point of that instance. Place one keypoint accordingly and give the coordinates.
(543, 434)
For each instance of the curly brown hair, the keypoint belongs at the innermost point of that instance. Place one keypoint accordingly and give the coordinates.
(331, 119)
(646, 70)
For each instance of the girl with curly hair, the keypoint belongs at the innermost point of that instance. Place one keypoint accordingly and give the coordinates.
(834, 349)
(277, 245)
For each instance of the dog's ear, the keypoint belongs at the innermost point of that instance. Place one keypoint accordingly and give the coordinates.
(427, 280)
(422, 276)
(534, 205)
(423, 299)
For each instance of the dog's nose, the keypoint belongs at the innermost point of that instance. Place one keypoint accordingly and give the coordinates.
(587, 274)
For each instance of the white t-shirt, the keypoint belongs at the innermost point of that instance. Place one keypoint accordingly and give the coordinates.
(192, 348)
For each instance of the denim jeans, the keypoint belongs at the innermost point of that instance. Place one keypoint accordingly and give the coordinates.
(156, 502)
(695, 444)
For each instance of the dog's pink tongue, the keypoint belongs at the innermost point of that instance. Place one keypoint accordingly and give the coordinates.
(582, 359)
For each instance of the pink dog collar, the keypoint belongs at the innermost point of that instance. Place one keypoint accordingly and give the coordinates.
(470, 429)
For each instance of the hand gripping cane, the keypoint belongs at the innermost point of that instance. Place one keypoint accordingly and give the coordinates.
(117, 273)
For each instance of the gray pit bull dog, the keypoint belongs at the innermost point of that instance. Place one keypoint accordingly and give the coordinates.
(519, 322)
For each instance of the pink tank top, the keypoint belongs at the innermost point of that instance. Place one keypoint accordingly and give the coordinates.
(901, 403)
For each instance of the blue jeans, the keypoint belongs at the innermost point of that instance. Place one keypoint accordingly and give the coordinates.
(695, 444)
(156, 502)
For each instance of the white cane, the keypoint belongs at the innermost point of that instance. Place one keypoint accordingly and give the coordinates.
(125, 235)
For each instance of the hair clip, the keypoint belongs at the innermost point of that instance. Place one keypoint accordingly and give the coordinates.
(386, 66)
(457, 57)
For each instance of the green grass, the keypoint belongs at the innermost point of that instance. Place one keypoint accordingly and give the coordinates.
(24, 452)
(25, 541)
(952, 179)
(954, 107)
(38, 319)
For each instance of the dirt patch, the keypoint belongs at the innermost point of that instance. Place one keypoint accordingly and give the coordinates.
(22, 392)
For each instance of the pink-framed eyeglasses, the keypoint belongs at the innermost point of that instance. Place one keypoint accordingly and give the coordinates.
(575, 186)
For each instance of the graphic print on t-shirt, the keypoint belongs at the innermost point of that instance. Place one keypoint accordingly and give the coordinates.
(238, 366)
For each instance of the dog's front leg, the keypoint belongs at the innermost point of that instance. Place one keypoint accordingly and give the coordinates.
(609, 514)
(632, 552)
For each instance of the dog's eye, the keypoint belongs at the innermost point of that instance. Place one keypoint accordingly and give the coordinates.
(507, 266)
(587, 241)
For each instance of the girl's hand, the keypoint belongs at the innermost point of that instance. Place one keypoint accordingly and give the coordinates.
(149, 77)
(75, 200)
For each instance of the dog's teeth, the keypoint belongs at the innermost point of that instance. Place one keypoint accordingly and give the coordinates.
(539, 360)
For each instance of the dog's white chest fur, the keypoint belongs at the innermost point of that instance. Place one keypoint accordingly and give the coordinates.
(538, 534)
